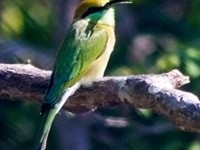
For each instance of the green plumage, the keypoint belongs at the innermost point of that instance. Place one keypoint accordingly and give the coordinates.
(82, 46)
(84, 43)
(82, 57)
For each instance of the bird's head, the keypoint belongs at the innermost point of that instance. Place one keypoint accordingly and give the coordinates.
(89, 7)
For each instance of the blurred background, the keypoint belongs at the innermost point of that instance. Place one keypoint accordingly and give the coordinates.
(153, 36)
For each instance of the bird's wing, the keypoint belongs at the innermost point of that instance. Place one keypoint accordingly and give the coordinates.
(79, 50)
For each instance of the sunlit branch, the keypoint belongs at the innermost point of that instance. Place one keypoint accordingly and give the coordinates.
(156, 92)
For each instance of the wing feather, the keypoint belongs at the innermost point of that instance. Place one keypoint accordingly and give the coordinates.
(81, 47)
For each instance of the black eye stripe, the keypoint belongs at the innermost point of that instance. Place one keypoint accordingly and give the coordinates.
(92, 10)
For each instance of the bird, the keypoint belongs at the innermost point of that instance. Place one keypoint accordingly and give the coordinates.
(82, 57)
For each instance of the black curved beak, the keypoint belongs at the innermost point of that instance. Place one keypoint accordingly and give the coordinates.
(113, 2)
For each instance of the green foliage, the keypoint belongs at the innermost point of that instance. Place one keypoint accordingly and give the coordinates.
(18, 22)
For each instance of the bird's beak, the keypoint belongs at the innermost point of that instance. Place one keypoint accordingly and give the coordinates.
(113, 2)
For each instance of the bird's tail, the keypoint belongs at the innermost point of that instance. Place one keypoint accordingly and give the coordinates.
(49, 116)
(47, 121)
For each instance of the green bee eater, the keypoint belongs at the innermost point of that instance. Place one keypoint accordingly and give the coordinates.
(82, 58)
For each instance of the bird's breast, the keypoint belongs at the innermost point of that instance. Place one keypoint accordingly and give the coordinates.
(98, 67)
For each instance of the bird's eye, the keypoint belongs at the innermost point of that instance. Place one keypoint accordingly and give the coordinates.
(92, 10)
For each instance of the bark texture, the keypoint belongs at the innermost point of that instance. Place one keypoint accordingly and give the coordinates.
(156, 92)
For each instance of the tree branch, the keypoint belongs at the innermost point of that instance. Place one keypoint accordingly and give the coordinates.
(157, 92)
